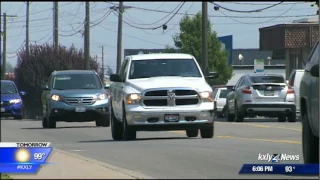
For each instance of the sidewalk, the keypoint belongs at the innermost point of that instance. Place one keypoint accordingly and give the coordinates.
(72, 166)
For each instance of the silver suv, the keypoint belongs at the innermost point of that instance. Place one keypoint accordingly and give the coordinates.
(262, 95)
(309, 108)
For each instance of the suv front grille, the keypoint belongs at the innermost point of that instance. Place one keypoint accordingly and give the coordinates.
(170, 97)
(79, 101)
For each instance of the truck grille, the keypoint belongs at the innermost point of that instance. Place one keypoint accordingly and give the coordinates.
(79, 101)
(170, 97)
(5, 103)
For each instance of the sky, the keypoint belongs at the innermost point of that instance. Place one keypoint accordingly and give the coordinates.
(243, 26)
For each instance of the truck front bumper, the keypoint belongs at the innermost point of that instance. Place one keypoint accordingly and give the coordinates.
(154, 119)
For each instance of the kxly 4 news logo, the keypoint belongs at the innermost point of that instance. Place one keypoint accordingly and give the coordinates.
(275, 158)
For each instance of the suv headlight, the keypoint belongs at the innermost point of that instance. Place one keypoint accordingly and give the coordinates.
(134, 98)
(56, 97)
(102, 96)
(14, 101)
(206, 96)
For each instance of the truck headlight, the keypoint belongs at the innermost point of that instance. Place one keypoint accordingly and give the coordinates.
(14, 101)
(133, 98)
(206, 96)
(102, 96)
(55, 97)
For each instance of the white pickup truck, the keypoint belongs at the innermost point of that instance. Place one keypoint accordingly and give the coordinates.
(160, 92)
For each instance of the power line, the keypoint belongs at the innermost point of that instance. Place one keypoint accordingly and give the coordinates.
(264, 21)
(259, 4)
(251, 11)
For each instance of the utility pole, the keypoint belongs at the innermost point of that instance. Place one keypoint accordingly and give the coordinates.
(4, 34)
(205, 37)
(102, 61)
(0, 40)
(55, 25)
(120, 10)
(87, 37)
(27, 28)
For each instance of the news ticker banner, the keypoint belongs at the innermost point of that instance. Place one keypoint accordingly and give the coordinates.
(294, 169)
(23, 157)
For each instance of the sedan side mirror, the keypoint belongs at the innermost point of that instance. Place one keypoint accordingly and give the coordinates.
(314, 71)
(44, 87)
(212, 75)
(115, 78)
(22, 93)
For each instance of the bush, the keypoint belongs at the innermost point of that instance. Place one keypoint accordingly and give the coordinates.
(33, 70)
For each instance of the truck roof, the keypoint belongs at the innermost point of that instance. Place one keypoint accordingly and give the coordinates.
(160, 56)
(63, 72)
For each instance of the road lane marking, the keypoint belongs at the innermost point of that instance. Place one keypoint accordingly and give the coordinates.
(260, 126)
(252, 139)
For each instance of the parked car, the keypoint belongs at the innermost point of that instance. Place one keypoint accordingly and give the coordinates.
(309, 108)
(11, 101)
(75, 96)
(219, 98)
(294, 82)
(261, 95)
(160, 92)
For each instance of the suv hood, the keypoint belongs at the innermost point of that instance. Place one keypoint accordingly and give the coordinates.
(169, 82)
(78, 92)
(8, 97)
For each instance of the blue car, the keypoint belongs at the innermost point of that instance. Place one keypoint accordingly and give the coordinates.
(11, 102)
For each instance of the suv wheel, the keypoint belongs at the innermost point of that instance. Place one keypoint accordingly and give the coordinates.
(192, 132)
(310, 143)
(128, 132)
(44, 123)
(116, 127)
(238, 116)
(230, 117)
(208, 132)
(292, 117)
(103, 121)
(19, 117)
(282, 118)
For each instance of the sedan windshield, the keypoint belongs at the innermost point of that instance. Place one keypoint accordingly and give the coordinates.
(8, 88)
(76, 81)
(163, 67)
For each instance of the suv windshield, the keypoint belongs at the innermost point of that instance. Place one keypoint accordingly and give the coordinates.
(8, 88)
(267, 79)
(163, 67)
(76, 81)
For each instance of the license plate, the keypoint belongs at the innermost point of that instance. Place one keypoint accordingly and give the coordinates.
(171, 117)
(80, 109)
(269, 93)
(3, 110)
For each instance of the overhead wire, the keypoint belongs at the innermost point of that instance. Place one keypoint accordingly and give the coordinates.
(250, 11)
(263, 21)
(157, 27)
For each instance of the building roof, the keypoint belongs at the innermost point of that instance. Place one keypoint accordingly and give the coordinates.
(161, 56)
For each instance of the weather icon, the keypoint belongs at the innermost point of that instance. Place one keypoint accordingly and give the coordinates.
(22, 155)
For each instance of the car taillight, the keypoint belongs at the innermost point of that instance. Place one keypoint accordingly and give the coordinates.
(246, 90)
(290, 90)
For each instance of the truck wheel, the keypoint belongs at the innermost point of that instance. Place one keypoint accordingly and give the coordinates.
(282, 118)
(310, 143)
(292, 117)
(230, 117)
(192, 132)
(116, 127)
(238, 116)
(208, 132)
(128, 132)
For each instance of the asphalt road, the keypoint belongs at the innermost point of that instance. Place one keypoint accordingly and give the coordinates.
(170, 154)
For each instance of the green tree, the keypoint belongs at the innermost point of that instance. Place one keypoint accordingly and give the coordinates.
(189, 40)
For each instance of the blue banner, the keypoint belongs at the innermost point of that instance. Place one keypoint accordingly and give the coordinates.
(23, 160)
(297, 169)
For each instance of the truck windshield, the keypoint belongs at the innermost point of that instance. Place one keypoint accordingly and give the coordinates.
(267, 79)
(164, 67)
(76, 81)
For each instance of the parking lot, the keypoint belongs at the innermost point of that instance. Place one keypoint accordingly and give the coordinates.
(168, 154)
